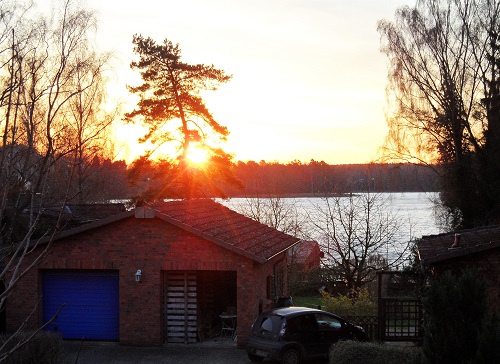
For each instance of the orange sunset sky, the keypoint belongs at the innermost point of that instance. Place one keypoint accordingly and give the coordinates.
(308, 75)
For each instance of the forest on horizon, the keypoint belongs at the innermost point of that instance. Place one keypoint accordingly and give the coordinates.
(319, 178)
(110, 179)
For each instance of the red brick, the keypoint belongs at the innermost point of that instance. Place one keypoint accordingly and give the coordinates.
(153, 246)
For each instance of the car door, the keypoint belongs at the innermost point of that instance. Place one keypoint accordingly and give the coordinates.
(330, 331)
(304, 330)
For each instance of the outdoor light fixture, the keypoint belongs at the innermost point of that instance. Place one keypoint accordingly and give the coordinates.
(138, 275)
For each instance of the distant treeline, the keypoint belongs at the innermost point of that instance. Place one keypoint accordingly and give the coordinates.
(108, 180)
(320, 178)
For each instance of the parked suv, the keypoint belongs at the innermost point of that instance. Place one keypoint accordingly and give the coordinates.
(294, 333)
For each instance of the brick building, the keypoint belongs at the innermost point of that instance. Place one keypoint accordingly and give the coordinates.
(307, 255)
(475, 248)
(196, 259)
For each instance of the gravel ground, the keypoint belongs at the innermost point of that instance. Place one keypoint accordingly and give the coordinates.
(107, 353)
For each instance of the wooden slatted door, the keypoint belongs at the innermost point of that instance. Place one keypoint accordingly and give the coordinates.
(181, 310)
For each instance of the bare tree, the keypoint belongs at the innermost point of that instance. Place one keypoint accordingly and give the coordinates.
(87, 125)
(444, 99)
(278, 212)
(358, 235)
(39, 63)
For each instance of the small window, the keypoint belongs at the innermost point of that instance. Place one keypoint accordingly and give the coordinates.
(269, 287)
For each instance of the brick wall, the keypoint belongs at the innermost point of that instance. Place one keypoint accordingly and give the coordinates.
(153, 246)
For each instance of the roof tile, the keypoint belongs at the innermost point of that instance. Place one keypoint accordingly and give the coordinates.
(226, 227)
(435, 248)
(211, 221)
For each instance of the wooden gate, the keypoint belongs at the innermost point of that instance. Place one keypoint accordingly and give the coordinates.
(399, 307)
(180, 307)
(400, 319)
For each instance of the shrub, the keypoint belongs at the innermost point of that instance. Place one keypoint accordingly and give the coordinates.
(347, 352)
(356, 303)
(457, 326)
(489, 342)
(43, 348)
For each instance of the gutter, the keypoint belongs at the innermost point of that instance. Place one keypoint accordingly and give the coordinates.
(283, 250)
(275, 279)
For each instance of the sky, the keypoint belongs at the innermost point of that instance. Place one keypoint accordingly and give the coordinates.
(308, 76)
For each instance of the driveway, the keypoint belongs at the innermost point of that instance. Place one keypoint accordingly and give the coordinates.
(107, 353)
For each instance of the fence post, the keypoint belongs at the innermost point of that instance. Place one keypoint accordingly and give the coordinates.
(381, 309)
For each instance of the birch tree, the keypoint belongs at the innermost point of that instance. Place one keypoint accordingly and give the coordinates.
(39, 62)
(87, 125)
(444, 100)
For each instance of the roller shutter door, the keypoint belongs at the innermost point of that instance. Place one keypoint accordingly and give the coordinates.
(91, 304)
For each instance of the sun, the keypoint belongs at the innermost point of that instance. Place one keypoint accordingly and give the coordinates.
(197, 155)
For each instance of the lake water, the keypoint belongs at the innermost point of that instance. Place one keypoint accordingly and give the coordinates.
(415, 210)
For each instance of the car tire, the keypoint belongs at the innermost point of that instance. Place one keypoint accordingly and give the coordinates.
(255, 358)
(290, 356)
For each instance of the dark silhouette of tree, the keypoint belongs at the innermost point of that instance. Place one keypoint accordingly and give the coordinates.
(445, 97)
(318, 178)
(458, 327)
(173, 111)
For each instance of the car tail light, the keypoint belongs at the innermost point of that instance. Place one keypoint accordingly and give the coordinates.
(283, 329)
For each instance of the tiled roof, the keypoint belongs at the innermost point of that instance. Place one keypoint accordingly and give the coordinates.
(436, 248)
(223, 226)
(209, 220)
(95, 211)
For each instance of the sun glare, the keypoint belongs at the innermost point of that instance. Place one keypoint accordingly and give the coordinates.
(197, 155)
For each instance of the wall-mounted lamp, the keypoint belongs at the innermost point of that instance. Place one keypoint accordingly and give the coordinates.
(138, 275)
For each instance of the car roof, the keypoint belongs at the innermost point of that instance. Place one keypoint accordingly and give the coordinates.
(294, 310)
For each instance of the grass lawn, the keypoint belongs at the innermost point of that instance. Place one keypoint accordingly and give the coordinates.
(310, 301)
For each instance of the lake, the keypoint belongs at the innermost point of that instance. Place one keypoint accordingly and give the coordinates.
(414, 209)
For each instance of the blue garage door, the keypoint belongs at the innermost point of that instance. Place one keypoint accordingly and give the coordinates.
(90, 299)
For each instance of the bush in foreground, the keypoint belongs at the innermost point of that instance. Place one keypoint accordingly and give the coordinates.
(43, 348)
(458, 326)
(354, 352)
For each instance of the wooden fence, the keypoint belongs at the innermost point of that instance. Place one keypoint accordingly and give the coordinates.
(369, 323)
(400, 314)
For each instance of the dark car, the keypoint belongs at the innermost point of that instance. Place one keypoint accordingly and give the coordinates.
(294, 333)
